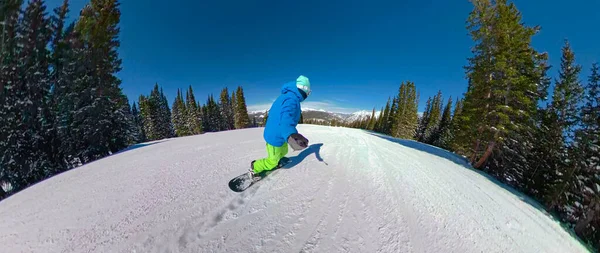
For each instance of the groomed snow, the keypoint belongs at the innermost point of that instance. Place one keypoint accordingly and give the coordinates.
(352, 192)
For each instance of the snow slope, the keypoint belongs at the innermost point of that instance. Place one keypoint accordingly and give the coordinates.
(352, 192)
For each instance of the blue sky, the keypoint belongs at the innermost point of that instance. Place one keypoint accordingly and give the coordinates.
(355, 53)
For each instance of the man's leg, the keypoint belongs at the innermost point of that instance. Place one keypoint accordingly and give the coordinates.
(274, 155)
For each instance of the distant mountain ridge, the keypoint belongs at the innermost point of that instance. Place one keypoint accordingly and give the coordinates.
(323, 115)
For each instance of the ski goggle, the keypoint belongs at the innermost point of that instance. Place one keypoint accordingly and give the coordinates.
(304, 88)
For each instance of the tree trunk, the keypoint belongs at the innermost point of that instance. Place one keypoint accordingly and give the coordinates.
(475, 148)
(486, 155)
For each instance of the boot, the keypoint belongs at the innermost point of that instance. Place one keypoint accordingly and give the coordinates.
(251, 173)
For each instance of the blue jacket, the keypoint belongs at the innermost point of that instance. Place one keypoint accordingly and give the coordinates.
(283, 116)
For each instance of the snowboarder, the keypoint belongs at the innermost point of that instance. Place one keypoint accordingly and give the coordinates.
(280, 129)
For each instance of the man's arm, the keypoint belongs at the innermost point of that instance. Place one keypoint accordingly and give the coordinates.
(287, 124)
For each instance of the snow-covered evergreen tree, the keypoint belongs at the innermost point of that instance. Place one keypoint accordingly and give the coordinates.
(385, 119)
(139, 134)
(501, 97)
(193, 113)
(166, 112)
(568, 92)
(104, 118)
(241, 112)
(394, 111)
(423, 122)
(456, 127)
(179, 115)
(205, 118)
(586, 185)
(62, 64)
(234, 104)
(146, 116)
(372, 119)
(25, 159)
(404, 114)
(378, 122)
(9, 83)
(433, 119)
(214, 114)
(441, 136)
(156, 115)
(227, 114)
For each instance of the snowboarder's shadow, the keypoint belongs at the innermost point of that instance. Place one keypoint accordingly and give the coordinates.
(314, 148)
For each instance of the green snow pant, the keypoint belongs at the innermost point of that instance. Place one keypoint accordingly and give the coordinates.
(272, 160)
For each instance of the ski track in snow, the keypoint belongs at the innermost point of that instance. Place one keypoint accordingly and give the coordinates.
(368, 194)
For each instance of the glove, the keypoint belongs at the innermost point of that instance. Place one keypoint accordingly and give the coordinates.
(297, 142)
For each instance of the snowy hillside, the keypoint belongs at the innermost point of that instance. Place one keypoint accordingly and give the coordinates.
(361, 115)
(324, 116)
(350, 191)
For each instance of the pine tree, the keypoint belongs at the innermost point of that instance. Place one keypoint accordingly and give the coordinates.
(138, 124)
(165, 112)
(131, 132)
(241, 112)
(395, 111)
(588, 172)
(25, 97)
(434, 118)
(442, 136)
(547, 155)
(9, 14)
(63, 64)
(234, 104)
(9, 11)
(546, 145)
(457, 108)
(156, 115)
(155, 105)
(212, 115)
(371, 123)
(215, 115)
(503, 72)
(456, 127)
(227, 115)
(104, 120)
(204, 119)
(405, 118)
(301, 119)
(193, 113)
(385, 119)
(567, 94)
(379, 121)
(179, 115)
(72, 79)
(147, 116)
(424, 122)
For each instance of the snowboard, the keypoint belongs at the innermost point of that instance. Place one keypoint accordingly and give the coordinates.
(243, 181)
